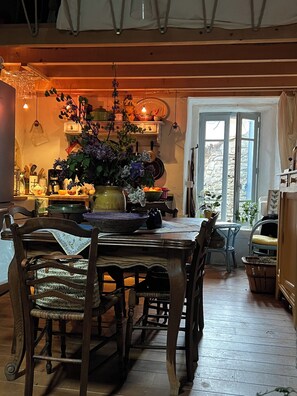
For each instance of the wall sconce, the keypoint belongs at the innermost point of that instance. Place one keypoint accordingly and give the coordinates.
(143, 110)
(25, 105)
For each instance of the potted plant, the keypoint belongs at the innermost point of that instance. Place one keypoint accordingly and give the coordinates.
(211, 202)
(102, 160)
(248, 213)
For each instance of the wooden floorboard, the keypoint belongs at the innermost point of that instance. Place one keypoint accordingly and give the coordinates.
(248, 346)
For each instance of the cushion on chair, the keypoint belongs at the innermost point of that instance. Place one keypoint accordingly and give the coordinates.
(264, 240)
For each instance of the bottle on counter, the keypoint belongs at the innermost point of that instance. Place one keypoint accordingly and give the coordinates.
(16, 180)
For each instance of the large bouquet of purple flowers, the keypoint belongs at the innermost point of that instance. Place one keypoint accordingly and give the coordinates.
(103, 160)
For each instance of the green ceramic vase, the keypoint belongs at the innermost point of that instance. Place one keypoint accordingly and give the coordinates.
(109, 199)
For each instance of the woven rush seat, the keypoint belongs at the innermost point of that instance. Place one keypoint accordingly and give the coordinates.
(106, 302)
(131, 260)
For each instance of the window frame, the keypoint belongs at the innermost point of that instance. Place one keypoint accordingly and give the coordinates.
(226, 116)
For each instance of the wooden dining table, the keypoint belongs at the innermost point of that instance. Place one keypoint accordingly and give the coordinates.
(175, 241)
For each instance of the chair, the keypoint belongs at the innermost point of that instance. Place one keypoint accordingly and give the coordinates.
(155, 290)
(117, 275)
(263, 237)
(73, 297)
(17, 213)
(227, 232)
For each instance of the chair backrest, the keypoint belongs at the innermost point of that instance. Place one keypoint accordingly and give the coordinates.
(56, 279)
(199, 255)
(17, 212)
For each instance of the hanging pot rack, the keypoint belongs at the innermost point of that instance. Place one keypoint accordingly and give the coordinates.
(162, 18)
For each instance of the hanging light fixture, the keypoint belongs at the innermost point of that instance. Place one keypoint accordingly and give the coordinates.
(25, 105)
(175, 127)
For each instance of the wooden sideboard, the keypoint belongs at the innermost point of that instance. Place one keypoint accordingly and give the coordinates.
(287, 241)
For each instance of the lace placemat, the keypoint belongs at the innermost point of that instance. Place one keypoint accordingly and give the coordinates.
(170, 226)
(69, 243)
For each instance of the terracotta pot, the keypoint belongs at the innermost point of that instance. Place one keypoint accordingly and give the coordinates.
(109, 199)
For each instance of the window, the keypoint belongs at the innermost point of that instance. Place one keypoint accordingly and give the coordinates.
(228, 158)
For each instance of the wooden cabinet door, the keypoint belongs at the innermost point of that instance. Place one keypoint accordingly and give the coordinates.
(287, 248)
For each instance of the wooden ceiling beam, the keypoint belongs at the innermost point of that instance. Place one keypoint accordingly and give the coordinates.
(19, 35)
(192, 54)
(255, 83)
(98, 71)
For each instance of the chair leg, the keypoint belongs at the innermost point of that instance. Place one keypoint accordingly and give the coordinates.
(234, 261)
(49, 336)
(30, 341)
(85, 357)
(145, 311)
(119, 330)
(136, 281)
(62, 325)
(129, 325)
(189, 344)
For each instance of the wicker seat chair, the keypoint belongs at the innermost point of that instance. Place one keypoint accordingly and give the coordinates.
(263, 237)
(156, 293)
(57, 297)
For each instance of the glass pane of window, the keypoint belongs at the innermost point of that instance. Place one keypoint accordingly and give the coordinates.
(214, 130)
(226, 159)
(248, 129)
(213, 166)
(230, 180)
(246, 170)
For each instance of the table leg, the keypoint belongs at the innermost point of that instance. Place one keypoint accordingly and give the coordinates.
(12, 368)
(177, 278)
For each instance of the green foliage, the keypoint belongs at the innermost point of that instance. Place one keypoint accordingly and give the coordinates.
(248, 213)
(211, 201)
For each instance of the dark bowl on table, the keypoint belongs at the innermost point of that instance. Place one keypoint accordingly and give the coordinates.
(116, 222)
(151, 196)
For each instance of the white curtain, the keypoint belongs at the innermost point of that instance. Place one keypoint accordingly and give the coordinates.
(287, 127)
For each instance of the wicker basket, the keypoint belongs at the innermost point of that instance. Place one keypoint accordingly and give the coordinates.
(261, 272)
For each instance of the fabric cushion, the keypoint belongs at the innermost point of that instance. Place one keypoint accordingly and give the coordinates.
(264, 240)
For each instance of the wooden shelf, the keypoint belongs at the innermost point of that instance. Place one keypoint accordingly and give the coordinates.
(151, 128)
